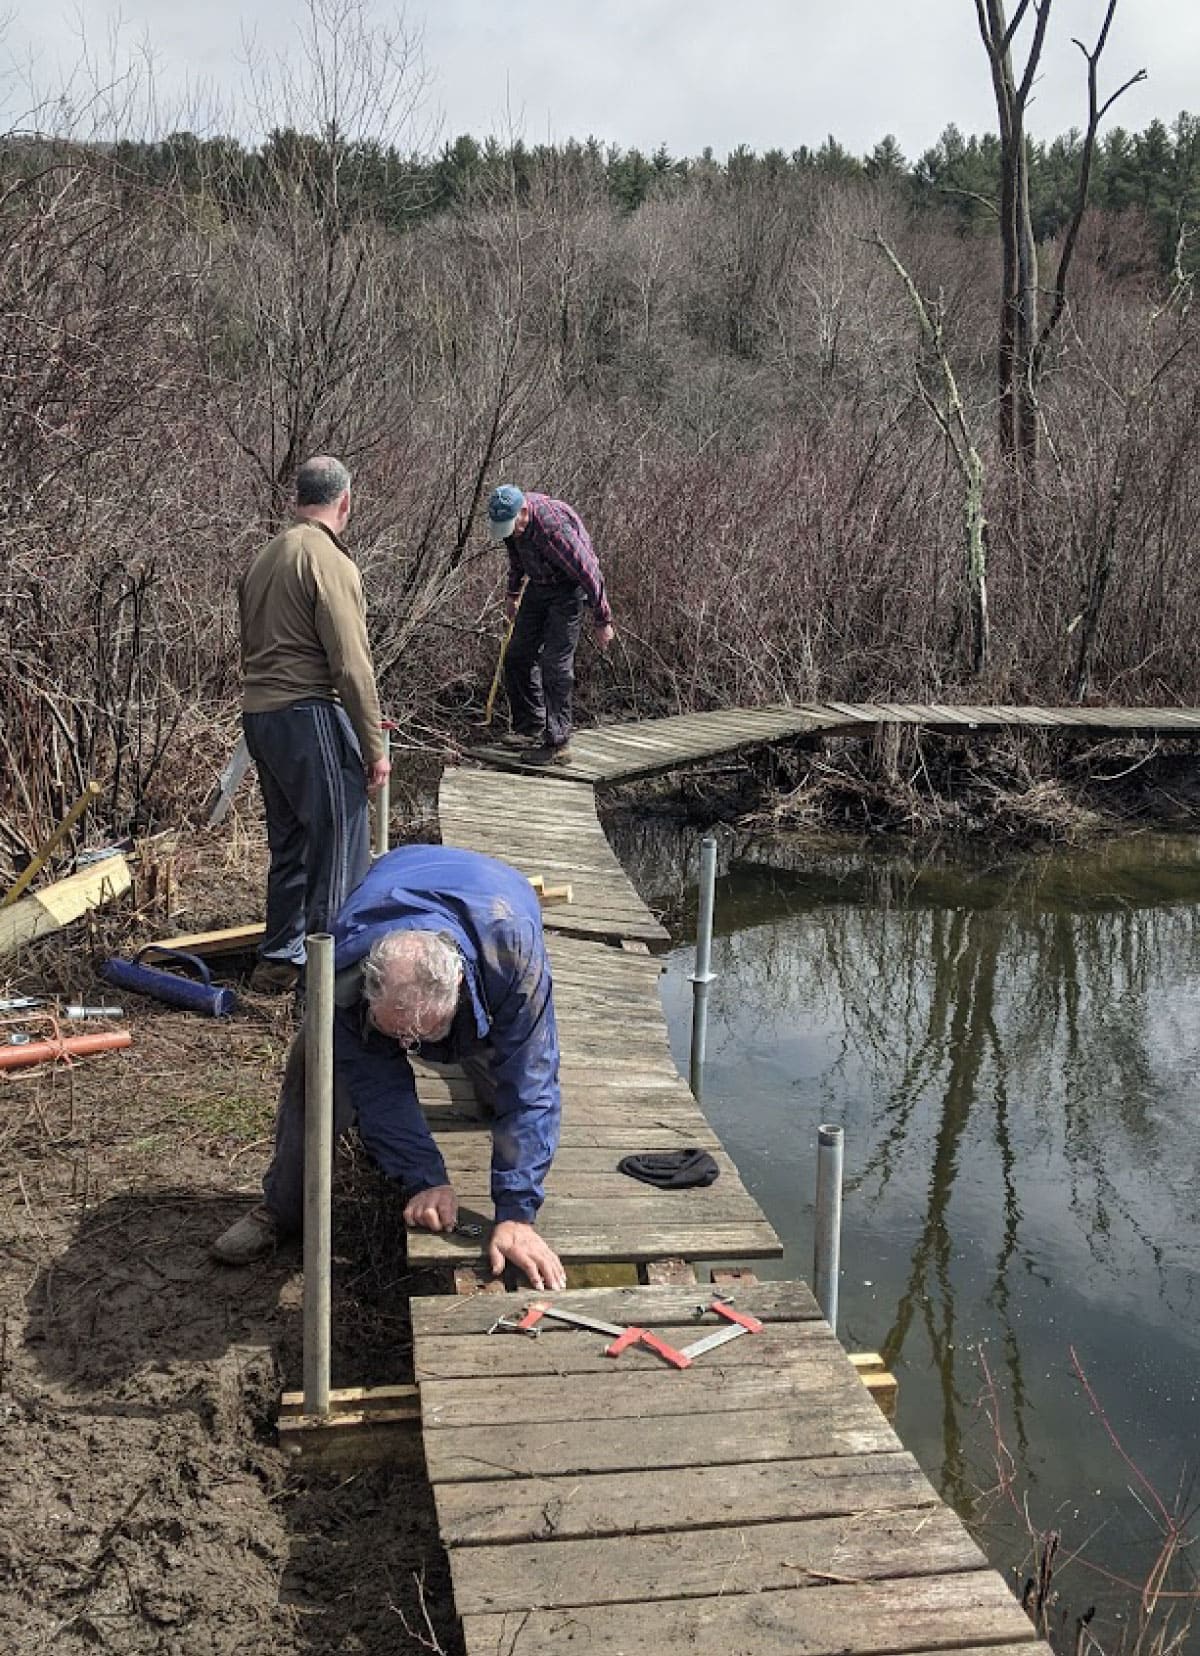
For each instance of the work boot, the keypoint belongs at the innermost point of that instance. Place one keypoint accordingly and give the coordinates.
(252, 1237)
(517, 742)
(274, 977)
(560, 755)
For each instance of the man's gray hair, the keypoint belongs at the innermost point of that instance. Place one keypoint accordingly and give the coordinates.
(320, 481)
(413, 978)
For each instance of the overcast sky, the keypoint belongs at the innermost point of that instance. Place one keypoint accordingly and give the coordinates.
(687, 73)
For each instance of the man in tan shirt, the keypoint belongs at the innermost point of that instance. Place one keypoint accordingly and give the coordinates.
(310, 712)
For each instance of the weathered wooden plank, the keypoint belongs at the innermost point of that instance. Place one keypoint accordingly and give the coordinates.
(594, 1446)
(771, 1302)
(649, 1392)
(556, 1575)
(577, 1209)
(951, 1613)
(577, 1166)
(630, 1503)
(638, 1238)
(578, 1351)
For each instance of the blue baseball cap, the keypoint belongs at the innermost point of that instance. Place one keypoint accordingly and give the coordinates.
(502, 508)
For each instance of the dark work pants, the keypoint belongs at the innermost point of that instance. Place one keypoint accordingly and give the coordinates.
(539, 668)
(283, 1182)
(314, 789)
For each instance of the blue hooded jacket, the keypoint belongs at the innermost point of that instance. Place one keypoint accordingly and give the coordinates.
(492, 914)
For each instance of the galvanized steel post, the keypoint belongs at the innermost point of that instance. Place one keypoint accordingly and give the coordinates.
(702, 976)
(827, 1234)
(383, 803)
(318, 1168)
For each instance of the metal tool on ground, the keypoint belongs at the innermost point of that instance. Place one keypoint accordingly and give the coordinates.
(506, 1325)
(737, 1324)
(21, 1003)
(539, 1309)
(204, 996)
(624, 1336)
(22, 1049)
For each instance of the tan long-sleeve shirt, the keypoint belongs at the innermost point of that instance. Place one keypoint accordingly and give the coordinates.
(304, 631)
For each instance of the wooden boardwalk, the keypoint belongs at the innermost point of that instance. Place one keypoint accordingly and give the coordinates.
(621, 1094)
(618, 753)
(756, 1502)
(543, 825)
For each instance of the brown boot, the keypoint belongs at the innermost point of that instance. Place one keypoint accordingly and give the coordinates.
(253, 1237)
(274, 977)
(551, 755)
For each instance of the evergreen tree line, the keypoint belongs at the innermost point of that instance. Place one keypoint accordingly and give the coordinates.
(1156, 171)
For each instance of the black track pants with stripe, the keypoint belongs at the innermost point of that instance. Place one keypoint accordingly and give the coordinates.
(314, 789)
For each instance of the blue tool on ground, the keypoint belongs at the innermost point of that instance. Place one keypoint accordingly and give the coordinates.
(204, 996)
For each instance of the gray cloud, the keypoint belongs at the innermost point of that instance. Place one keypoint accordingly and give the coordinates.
(766, 73)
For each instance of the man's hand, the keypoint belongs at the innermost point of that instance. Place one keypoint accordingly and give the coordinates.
(512, 603)
(435, 1209)
(516, 1243)
(604, 636)
(377, 774)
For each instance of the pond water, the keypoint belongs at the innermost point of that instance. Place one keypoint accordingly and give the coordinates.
(1011, 1047)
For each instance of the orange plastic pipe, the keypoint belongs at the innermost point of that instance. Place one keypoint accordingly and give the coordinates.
(74, 1046)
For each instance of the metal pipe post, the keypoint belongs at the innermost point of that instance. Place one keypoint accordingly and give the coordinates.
(318, 1168)
(702, 976)
(383, 803)
(827, 1235)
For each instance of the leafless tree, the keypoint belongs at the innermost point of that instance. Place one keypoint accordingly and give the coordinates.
(1021, 344)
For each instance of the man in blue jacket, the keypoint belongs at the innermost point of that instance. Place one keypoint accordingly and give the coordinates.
(440, 951)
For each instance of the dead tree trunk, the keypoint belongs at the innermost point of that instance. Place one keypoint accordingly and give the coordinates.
(947, 409)
(1019, 283)
(1021, 346)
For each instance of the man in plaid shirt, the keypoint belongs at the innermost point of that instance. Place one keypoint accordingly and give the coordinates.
(553, 573)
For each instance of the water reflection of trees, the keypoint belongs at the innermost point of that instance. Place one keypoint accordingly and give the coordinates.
(982, 1035)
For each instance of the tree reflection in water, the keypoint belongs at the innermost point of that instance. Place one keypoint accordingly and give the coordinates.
(1012, 1050)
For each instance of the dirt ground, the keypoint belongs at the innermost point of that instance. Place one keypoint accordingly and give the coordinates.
(144, 1504)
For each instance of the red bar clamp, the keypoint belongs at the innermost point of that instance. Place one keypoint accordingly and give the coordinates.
(742, 1318)
(643, 1336)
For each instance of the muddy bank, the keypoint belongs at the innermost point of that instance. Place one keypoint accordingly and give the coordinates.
(144, 1505)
